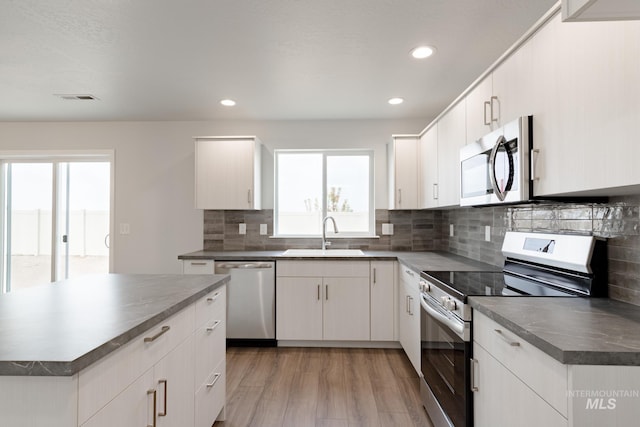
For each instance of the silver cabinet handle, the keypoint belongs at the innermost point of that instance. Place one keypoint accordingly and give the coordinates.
(435, 191)
(406, 303)
(326, 292)
(374, 276)
(409, 272)
(493, 98)
(399, 196)
(534, 155)
(198, 263)
(487, 122)
(507, 340)
(165, 383)
(318, 292)
(163, 331)
(155, 405)
(215, 325)
(474, 384)
(214, 297)
(216, 377)
(410, 306)
(249, 196)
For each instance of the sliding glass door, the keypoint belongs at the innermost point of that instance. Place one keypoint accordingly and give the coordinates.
(55, 220)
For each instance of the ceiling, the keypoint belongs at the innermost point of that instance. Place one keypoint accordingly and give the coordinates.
(278, 59)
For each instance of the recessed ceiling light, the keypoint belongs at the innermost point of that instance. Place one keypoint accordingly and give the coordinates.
(396, 101)
(422, 52)
(228, 102)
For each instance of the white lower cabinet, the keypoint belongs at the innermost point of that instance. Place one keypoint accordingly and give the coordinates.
(322, 300)
(334, 301)
(409, 314)
(383, 300)
(157, 378)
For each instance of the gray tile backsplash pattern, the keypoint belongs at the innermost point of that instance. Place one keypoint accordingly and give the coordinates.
(420, 230)
(413, 231)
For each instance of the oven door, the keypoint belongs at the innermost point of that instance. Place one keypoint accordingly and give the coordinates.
(495, 169)
(446, 355)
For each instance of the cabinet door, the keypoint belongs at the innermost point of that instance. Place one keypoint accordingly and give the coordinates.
(503, 400)
(197, 266)
(225, 174)
(513, 86)
(451, 137)
(174, 382)
(475, 107)
(299, 308)
(406, 173)
(409, 316)
(383, 297)
(346, 309)
(587, 106)
(428, 177)
(131, 408)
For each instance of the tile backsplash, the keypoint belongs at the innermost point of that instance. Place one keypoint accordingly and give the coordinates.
(422, 230)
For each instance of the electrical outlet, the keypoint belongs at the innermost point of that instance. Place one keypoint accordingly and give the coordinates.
(263, 229)
(242, 229)
(487, 233)
(451, 230)
(387, 229)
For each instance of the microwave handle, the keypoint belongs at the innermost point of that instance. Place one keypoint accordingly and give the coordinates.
(492, 171)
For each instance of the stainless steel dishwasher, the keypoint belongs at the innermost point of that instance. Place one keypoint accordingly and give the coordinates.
(251, 310)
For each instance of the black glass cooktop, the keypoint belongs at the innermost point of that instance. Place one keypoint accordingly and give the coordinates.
(462, 284)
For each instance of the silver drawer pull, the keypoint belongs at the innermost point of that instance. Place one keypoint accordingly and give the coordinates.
(214, 297)
(163, 331)
(474, 372)
(216, 377)
(198, 263)
(507, 340)
(155, 405)
(215, 325)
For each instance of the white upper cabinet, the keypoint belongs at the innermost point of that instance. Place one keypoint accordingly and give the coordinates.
(428, 148)
(228, 172)
(451, 137)
(600, 10)
(440, 160)
(479, 121)
(403, 172)
(586, 108)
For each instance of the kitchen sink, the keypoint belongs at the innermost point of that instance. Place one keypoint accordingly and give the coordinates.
(321, 253)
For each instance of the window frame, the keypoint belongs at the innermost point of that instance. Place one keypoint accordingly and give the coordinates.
(328, 153)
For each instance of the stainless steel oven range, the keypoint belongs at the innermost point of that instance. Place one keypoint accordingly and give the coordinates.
(536, 265)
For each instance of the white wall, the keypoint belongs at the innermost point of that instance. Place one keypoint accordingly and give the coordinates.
(154, 171)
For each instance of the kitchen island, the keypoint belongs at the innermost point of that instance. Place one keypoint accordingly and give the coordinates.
(76, 352)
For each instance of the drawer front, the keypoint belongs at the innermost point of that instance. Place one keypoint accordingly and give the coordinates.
(212, 306)
(101, 382)
(197, 266)
(210, 349)
(210, 398)
(543, 374)
(322, 268)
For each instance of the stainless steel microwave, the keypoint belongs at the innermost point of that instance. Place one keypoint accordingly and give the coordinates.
(496, 168)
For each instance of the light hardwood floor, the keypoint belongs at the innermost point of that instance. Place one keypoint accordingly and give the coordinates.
(329, 387)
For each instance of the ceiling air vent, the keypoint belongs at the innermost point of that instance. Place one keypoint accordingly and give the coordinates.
(76, 97)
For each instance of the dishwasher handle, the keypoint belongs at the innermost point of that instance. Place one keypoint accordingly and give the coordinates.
(243, 265)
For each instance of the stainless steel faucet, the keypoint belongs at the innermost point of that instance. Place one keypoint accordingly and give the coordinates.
(324, 231)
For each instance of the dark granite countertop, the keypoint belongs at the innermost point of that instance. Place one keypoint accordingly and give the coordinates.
(419, 261)
(574, 331)
(61, 328)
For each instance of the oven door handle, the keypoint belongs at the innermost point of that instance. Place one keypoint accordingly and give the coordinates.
(457, 327)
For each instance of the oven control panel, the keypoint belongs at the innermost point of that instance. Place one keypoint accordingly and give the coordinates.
(441, 297)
